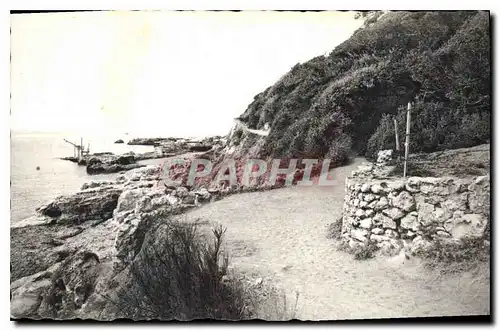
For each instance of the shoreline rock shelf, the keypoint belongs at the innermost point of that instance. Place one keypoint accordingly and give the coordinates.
(106, 219)
(101, 163)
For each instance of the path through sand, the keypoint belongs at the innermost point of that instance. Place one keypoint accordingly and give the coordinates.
(280, 235)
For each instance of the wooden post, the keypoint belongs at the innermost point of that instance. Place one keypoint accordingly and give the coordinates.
(397, 136)
(407, 140)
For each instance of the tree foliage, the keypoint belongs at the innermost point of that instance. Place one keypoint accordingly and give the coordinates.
(439, 60)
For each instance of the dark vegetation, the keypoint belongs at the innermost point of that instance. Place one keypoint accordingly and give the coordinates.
(345, 102)
(179, 275)
(457, 256)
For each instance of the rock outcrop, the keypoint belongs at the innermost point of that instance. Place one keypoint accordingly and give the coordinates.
(87, 239)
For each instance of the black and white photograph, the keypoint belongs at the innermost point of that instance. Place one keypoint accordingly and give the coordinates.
(250, 165)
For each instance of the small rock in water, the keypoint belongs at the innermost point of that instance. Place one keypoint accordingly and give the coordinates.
(37, 167)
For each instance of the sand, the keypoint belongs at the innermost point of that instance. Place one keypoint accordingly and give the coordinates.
(281, 237)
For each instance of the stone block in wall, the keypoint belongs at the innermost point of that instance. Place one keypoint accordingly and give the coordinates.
(393, 213)
(366, 223)
(377, 231)
(466, 225)
(365, 187)
(425, 213)
(377, 188)
(384, 221)
(397, 185)
(404, 201)
(391, 233)
(455, 202)
(381, 204)
(413, 184)
(378, 238)
(369, 197)
(360, 234)
(443, 234)
(409, 222)
(479, 195)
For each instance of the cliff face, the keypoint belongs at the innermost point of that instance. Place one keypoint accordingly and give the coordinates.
(343, 103)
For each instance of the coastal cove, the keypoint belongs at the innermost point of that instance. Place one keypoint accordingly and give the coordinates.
(31, 188)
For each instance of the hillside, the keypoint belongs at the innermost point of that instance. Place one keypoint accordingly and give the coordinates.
(344, 103)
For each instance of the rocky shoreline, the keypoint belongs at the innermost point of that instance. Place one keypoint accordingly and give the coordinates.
(105, 163)
(105, 222)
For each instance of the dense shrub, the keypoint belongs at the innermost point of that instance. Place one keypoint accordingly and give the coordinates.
(178, 275)
(457, 256)
(438, 60)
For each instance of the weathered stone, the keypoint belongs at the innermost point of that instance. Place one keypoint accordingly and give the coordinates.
(481, 179)
(360, 213)
(365, 188)
(376, 188)
(359, 234)
(425, 213)
(410, 234)
(380, 219)
(91, 204)
(369, 197)
(377, 231)
(466, 225)
(413, 184)
(363, 204)
(366, 223)
(181, 192)
(204, 195)
(381, 204)
(439, 214)
(378, 238)
(391, 233)
(409, 222)
(369, 213)
(455, 203)
(404, 201)
(397, 185)
(443, 234)
(355, 202)
(394, 213)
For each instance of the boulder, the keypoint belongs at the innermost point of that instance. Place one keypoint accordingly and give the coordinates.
(90, 204)
(119, 141)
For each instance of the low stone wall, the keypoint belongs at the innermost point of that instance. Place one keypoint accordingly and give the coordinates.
(395, 213)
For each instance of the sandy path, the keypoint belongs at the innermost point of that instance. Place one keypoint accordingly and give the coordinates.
(280, 235)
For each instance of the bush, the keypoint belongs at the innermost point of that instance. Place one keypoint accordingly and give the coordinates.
(364, 252)
(439, 59)
(178, 276)
(457, 256)
(335, 229)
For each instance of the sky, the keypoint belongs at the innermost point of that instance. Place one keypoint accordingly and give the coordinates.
(156, 73)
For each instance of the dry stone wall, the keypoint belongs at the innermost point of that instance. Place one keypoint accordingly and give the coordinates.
(410, 213)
